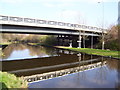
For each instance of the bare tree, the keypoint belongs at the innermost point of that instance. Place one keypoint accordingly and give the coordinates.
(111, 38)
(81, 20)
(112, 33)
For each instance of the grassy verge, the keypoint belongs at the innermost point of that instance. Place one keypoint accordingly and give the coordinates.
(114, 54)
(11, 81)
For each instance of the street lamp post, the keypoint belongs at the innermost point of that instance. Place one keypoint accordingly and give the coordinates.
(103, 42)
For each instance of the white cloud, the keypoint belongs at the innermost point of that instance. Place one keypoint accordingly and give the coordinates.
(71, 16)
(12, 1)
(95, 1)
(60, 1)
(69, 13)
(48, 4)
(68, 1)
(61, 5)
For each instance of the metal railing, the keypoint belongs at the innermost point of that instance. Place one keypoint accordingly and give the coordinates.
(53, 23)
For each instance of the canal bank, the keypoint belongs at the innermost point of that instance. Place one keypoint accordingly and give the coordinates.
(11, 81)
(99, 52)
(4, 45)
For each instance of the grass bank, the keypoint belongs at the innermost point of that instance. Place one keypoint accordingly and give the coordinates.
(114, 54)
(11, 81)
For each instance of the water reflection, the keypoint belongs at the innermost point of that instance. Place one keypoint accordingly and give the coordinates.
(23, 51)
(56, 68)
(100, 77)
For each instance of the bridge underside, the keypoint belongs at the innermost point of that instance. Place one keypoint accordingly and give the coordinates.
(65, 37)
(42, 30)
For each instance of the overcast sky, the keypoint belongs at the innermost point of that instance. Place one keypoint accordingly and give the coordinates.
(88, 12)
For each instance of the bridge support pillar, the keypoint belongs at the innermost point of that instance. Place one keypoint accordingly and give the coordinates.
(58, 40)
(63, 41)
(70, 43)
(84, 40)
(91, 42)
(79, 42)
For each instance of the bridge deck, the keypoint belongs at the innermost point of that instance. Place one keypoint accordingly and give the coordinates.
(10, 20)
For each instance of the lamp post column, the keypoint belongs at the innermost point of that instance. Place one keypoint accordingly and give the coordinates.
(103, 42)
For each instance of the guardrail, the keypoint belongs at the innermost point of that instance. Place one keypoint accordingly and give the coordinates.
(53, 23)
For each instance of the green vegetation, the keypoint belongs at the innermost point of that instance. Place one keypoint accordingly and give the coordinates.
(27, 38)
(111, 39)
(11, 81)
(50, 40)
(96, 51)
(112, 45)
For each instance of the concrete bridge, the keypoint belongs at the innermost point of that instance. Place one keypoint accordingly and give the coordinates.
(11, 24)
(29, 25)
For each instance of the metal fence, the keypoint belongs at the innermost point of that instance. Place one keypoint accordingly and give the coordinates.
(39, 21)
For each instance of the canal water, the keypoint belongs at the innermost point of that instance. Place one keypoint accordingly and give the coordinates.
(46, 67)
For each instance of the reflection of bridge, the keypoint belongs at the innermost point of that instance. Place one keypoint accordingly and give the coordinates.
(12, 24)
(65, 61)
(22, 67)
(50, 75)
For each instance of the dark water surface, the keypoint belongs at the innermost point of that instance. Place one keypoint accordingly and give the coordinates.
(27, 60)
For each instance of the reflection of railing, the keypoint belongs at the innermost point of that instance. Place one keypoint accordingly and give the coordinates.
(54, 66)
(60, 73)
(12, 19)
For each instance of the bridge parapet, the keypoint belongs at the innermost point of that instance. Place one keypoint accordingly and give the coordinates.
(44, 23)
(50, 75)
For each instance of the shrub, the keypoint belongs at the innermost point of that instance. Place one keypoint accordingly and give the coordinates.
(11, 81)
(112, 45)
(50, 40)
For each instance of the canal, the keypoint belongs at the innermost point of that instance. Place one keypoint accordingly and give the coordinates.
(46, 67)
